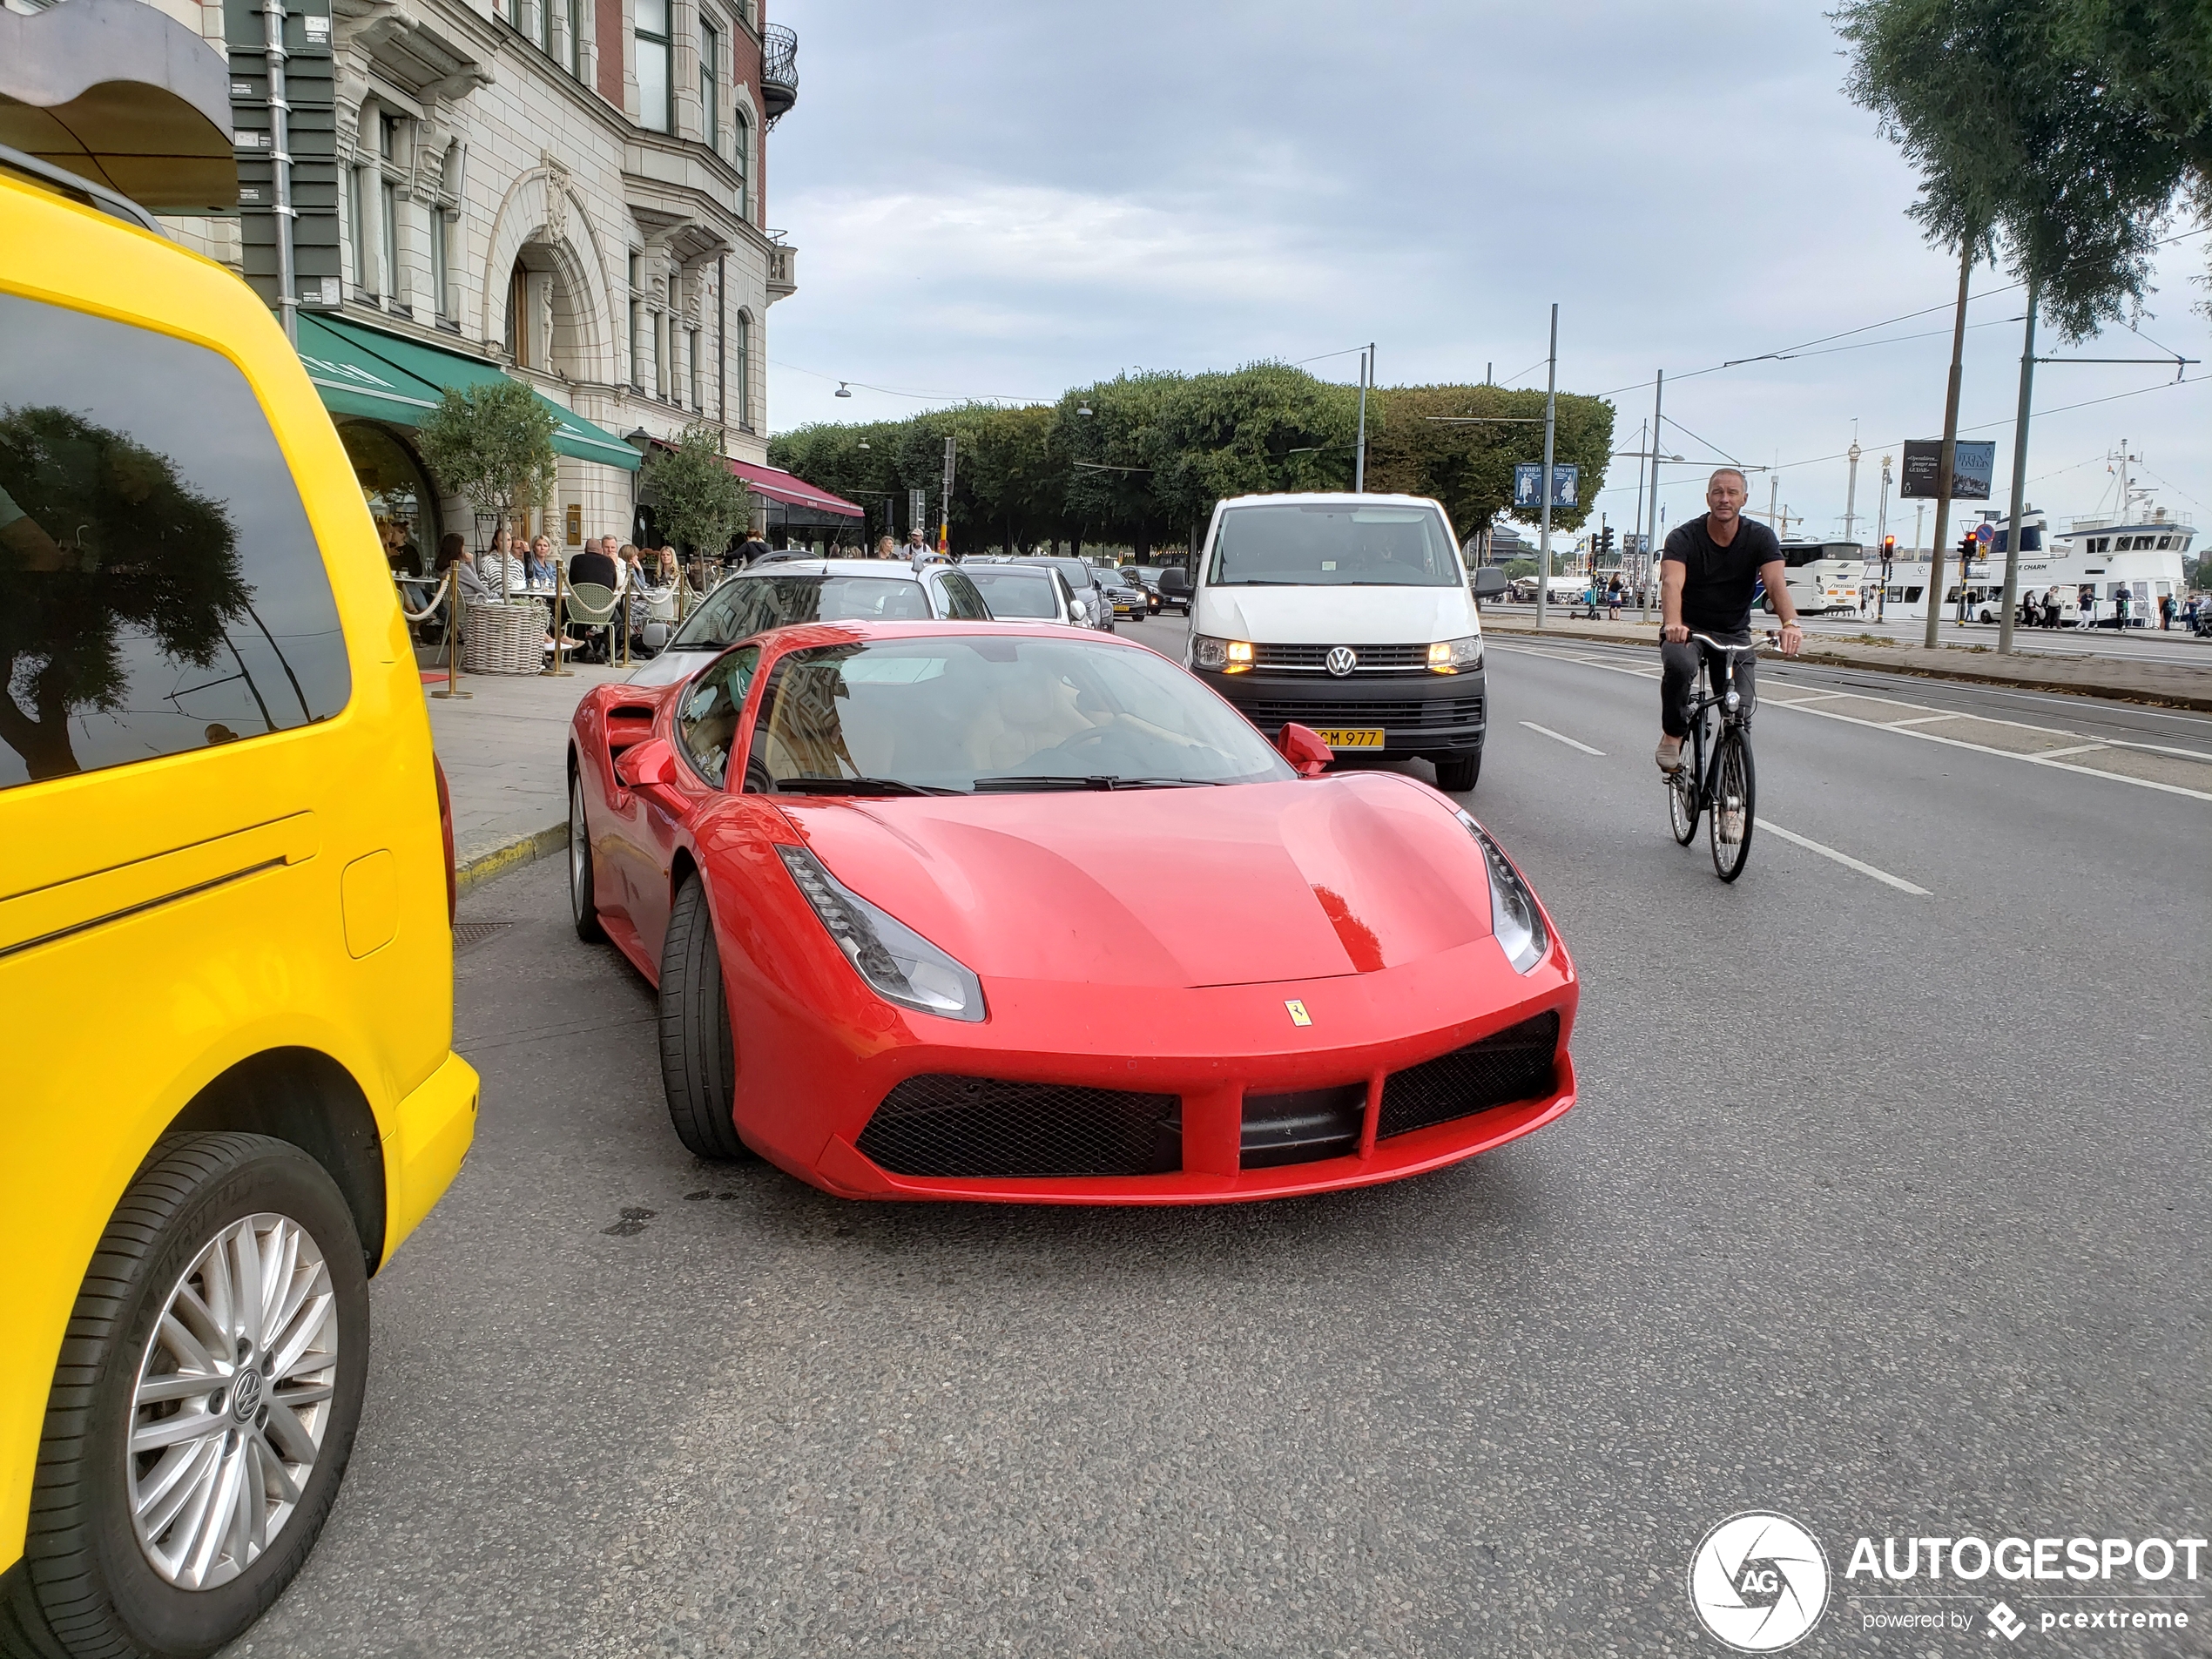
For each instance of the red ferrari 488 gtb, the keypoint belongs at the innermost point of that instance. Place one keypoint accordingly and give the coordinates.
(857, 860)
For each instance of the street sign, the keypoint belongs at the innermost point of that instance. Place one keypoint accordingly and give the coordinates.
(1528, 485)
(1972, 469)
(1985, 534)
(310, 156)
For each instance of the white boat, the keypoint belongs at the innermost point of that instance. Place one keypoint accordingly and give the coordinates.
(2128, 544)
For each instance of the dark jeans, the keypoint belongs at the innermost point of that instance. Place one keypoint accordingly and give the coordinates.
(1678, 680)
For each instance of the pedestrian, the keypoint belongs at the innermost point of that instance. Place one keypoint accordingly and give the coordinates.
(885, 547)
(2085, 605)
(917, 542)
(2165, 613)
(2121, 600)
(752, 548)
(2050, 607)
(1612, 597)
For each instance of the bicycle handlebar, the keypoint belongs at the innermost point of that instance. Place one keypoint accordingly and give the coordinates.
(1752, 650)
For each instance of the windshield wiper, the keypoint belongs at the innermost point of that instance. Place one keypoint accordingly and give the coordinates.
(1016, 780)
(854, 787)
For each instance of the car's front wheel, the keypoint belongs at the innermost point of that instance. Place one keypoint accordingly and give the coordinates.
(697, 1055)
(583, 880)
(204, 1406)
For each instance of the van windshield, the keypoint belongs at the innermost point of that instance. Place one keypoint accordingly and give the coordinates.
(1334, 544)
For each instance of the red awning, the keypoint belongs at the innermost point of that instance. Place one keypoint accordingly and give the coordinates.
(778, 485)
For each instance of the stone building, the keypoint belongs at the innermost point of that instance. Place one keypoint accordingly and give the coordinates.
(571, 192)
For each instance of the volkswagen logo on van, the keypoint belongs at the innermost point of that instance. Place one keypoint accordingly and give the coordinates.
(1341, 661)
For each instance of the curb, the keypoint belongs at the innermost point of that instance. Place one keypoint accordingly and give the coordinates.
(2024, 679)
(508, 856)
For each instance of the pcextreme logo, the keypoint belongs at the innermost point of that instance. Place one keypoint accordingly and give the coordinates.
(1759, 1582)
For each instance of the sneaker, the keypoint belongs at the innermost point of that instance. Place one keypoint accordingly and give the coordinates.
(1669, 754)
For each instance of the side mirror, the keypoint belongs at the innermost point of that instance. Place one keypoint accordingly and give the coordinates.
(1489, 582)
(650, 764)
(1174, 580)
(1302, 746)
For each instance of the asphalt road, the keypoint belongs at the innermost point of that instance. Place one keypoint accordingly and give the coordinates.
(1885, 1209)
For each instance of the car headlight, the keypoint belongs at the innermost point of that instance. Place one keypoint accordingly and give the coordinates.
(1231, 656)
(1515, 921)
(1450, 656)
(898, 963)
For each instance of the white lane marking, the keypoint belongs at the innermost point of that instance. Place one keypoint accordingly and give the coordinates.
(1843, 859)
(2079, 749)
(1560, 737)
(2160, 748)
(1924, 719)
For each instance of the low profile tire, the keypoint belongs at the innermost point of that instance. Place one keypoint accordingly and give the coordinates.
(1456, 774)
(697, 1059)
(584, 880)
(203, 1409)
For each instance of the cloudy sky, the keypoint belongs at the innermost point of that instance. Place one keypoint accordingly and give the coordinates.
(1003, 198)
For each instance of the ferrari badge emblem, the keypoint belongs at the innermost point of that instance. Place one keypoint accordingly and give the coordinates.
(1298, 1015)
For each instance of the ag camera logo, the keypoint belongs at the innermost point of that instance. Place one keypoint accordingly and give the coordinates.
(1759, 1582)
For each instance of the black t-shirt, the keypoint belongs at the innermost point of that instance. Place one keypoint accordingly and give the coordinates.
(1717, 580)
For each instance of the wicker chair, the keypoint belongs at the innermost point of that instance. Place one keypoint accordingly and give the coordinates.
(593, 604)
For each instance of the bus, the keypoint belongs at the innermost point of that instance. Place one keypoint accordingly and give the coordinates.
(1823, 577)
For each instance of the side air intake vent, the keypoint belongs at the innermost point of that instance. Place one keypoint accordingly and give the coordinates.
(942, 1125)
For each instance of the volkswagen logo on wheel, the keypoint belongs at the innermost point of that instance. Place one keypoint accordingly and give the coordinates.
(1759, 1582)
(245, 1394)
(1341, 661)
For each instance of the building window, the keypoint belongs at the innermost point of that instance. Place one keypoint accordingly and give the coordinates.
(744, 371)
(440, 278)
(653, 76)
(388, 245)
(711, 83)
(698, 388)
(661, 335)
(637, 331)
(518, 317)
(576, 38)
(545, 27)
(741, 159)
(357, 229)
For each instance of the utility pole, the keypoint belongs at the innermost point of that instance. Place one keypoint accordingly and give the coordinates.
(1850, 489)
(1640, 458)
(2019, 476)
(1881, 538)
(1551, 405)
(1773, 494)
(1651, 536)
(1950, 458)
(1366, 379)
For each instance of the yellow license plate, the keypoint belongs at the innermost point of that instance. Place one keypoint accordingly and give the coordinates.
(1366, 737)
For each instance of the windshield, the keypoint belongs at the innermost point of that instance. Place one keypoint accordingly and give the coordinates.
(746, 605)
(1334, 544)
(1015, 593)
(993, 713)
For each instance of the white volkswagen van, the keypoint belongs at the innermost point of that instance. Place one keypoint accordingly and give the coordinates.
(1349, 614)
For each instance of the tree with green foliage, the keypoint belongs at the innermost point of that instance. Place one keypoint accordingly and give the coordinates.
(1421, 442)
(123, 544)
(492, 445)
(698, 499)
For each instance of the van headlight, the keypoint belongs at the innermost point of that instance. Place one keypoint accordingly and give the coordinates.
(1452, 656)
(1515, 921)
(898, 963)
(1231, 656)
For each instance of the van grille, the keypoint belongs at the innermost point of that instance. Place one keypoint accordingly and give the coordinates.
(1374, 659)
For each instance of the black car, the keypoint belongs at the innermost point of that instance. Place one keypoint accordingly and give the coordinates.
(1148, 577)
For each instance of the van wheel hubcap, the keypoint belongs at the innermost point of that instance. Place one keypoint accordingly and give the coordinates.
(233, 1398)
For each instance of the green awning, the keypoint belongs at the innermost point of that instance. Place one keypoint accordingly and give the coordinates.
(366, 372)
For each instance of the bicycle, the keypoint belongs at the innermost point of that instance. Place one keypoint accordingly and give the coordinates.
(1723, 786)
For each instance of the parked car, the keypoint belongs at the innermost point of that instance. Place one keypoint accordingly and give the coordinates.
(771, 595)
(227, 960)
(856, 861)
(1094, 608)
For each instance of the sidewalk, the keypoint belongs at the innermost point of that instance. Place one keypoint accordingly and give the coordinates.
(503, 748)
(2172, 684)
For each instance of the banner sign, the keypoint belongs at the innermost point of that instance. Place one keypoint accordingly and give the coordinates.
(1974, 466)
(1529, 486)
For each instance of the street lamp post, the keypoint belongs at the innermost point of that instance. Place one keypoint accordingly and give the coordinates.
(1850, 492)
(1551, 403)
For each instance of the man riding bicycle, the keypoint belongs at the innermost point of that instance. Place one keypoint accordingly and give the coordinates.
(1711, 568)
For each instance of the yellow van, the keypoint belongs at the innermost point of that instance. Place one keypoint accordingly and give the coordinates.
(227, 1088)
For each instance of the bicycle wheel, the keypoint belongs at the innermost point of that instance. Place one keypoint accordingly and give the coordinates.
(1734, 788)
(1682, 805)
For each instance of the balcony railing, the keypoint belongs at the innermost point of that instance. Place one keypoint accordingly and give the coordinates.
(779, 70)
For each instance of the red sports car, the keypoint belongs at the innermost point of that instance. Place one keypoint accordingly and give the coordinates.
(855, 860)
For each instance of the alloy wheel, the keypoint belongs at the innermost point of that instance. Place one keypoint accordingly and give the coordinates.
(233, 1398)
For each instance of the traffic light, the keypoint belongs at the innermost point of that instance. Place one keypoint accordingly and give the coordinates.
(1967, 548)
(1607, 535)
(1889, 549)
